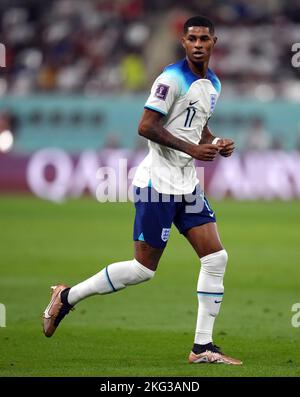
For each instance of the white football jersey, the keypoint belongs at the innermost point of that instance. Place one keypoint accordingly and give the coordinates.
(187, 102)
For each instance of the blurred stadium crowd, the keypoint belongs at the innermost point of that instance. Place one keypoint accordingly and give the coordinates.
(78, 72)
(93, 47)
(106, 50)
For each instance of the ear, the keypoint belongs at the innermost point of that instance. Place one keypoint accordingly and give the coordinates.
(183, 42)
(215, 39)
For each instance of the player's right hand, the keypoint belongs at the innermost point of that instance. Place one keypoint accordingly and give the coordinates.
(205, 151)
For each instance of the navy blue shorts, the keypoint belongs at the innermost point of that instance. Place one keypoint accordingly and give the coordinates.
(155, 213)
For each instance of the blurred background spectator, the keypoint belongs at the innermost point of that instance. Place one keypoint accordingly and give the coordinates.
(7, 131)
(99, 46)
(257, 137)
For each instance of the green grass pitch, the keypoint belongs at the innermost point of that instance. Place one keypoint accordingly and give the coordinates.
(146, 330)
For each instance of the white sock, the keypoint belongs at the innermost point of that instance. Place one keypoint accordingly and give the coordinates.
(210, 291)
(112, 278)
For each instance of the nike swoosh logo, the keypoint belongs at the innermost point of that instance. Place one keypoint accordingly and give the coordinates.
(46, 314)
(218, 301)
(212, 215)
(193, 103)
(48, 308)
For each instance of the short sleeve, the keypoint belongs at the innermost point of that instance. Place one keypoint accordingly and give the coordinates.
(164, 92)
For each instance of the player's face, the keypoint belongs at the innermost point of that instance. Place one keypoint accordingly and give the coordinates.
(198, 43)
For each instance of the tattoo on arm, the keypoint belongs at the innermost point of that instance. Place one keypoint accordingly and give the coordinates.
(164, 137)
(153, 130)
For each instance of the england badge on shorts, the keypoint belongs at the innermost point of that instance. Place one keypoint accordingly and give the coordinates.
(165, 233)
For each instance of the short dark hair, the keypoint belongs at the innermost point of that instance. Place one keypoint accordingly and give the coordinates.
(199, 21)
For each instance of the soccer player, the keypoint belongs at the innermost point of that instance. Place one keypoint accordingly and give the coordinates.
(166, 188)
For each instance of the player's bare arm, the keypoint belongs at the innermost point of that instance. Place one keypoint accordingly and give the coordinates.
(151, 127)
(226, 146)
(207, 136)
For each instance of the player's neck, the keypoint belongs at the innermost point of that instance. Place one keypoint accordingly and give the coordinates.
(199, 69)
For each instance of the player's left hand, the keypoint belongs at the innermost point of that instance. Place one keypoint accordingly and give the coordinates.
(226, 147)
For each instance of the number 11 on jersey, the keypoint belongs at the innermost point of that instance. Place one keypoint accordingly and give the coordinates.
(189, 117)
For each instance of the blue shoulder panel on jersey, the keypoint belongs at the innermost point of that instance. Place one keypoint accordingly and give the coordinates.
(186, 77)
(183, 73)
(214, 80)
